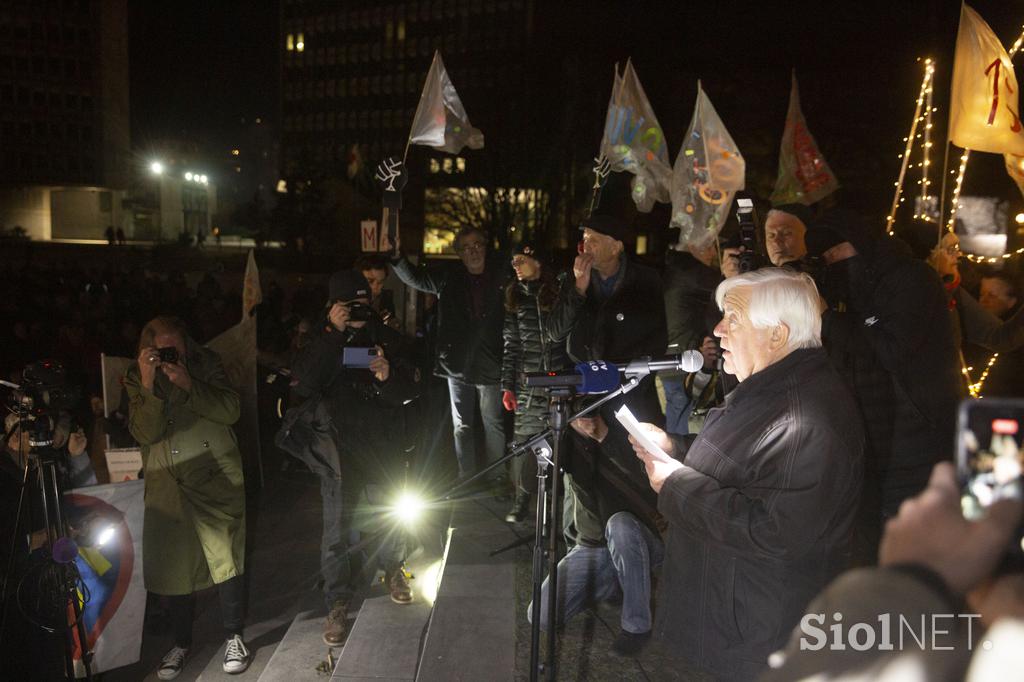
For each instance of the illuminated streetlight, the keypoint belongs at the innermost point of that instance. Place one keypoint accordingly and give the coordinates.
(188, 176)
(202, 179)
(156, 168)
(1019, 218)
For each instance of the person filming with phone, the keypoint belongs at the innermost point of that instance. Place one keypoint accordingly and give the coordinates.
(352, 380)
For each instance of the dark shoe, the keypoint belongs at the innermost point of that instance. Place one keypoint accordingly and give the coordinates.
(520, 508)
(172, 663)
(236, 656)
(630, 643)
(336, 625)
(398, 586)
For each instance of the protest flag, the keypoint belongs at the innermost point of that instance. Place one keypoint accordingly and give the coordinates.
(634, 142)
(237, 350)
(708, 172)
(441, 121)
(804, 176)
(983, 108)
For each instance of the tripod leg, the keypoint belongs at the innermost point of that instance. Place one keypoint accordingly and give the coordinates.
(540, 537)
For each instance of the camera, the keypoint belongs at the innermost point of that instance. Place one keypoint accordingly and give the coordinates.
(168, 354)
(747, 219)
(360, 312)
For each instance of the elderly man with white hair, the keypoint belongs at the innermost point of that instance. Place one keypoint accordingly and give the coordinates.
(761, 505)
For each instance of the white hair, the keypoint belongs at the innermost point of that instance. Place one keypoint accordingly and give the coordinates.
(780, 296)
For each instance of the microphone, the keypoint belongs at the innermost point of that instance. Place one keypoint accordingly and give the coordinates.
(596, 376)
(688, 361)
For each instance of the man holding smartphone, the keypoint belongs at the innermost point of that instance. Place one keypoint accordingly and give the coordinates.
(355, 376)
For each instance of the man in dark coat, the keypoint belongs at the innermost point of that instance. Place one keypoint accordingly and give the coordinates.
(760, 510)
(887, 330)
(612, 309)
(360, 407)
(469, 345)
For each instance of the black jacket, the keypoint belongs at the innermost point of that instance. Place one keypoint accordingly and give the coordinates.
(628, 324)
(689, 286)
(759, 519)
(365, 414)
(468, 347)
(892, 339)
(529, 347)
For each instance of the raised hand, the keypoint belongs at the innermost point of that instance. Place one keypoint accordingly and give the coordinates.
(393, 178)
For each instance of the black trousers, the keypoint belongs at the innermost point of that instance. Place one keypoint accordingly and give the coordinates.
(182, 609)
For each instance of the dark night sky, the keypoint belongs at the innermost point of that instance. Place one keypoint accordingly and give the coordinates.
(197, 66)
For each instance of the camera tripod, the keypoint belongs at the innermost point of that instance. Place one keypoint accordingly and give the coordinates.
(58, 571)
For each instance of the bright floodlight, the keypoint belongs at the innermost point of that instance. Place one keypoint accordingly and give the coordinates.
(1019, 218)
(156, 168)
(408, 507)
(202, 179)
(188, 176)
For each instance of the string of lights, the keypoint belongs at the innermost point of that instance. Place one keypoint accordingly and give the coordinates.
(926, 146)
(975, 388)
(897, 199)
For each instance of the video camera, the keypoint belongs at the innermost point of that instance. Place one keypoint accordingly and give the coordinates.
(360, 312)
(39, 399)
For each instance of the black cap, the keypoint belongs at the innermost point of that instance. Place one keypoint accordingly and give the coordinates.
(531, 249)
(799, 211)
(608, 225)
(347, 285)
(838, 226)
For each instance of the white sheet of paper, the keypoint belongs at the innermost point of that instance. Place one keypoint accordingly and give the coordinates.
(626, 418)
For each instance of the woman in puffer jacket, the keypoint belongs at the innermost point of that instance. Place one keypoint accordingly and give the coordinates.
(528, 348)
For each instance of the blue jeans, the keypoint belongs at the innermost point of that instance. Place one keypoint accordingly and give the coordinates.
(591, 574)
(468, 400)
(676, 406)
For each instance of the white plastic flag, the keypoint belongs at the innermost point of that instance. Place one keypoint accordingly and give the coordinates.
(441, 121)
(984, 113)
(709, 170)
(634, 142)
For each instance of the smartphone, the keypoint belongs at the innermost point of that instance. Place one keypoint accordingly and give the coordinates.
(989, 457)
(358, 358)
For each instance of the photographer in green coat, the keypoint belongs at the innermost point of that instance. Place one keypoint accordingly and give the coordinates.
(181, 409)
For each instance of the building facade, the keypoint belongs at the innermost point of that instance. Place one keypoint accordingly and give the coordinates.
(65, 154)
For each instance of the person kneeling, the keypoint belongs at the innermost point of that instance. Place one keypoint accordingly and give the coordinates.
(617, 541)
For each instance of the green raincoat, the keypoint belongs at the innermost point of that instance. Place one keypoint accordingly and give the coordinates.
(194, 530)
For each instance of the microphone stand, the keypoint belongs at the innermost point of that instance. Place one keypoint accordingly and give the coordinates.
(548, 462)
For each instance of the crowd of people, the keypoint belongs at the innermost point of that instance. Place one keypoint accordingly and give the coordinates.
(811, 441)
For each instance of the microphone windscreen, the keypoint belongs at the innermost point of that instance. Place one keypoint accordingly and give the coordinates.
(692, 361)
(598, 376)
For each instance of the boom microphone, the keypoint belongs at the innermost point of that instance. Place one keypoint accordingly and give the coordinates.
(596, 376)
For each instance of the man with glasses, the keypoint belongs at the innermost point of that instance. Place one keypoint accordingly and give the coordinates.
(469, 340)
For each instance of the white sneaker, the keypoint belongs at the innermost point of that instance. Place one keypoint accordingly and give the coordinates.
(236, 656)
(172, 663)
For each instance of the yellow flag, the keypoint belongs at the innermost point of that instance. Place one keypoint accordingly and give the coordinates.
(984, 114)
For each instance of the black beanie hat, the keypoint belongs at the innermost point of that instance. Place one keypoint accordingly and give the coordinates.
(608, 225)
(531, 249)
(347, 285)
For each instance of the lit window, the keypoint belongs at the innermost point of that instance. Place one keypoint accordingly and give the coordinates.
(447, 165)
(460, 164)
(289, 42)
(300, 44)
(235, 152)
(641, 244)
(401, 31)
(435, 167)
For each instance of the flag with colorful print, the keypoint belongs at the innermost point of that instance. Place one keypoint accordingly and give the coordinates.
(804, 176)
